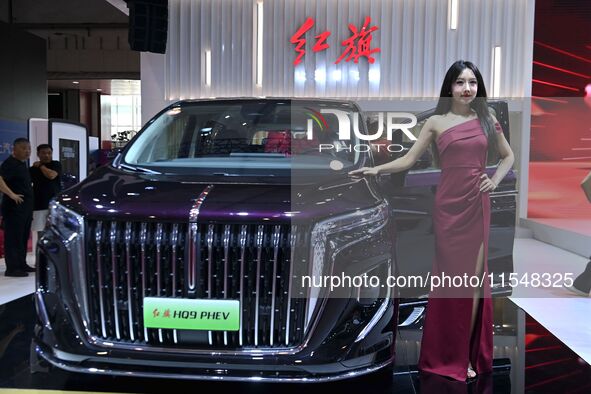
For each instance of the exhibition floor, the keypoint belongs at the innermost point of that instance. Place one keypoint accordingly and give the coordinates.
(540, 345)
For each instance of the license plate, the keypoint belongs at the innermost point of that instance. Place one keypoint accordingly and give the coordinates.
(186, 314)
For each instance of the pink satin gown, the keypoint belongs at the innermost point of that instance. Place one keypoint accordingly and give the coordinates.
(461, 220)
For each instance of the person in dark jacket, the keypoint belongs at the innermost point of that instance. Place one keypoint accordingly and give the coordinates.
(45, 175)
(17, 208)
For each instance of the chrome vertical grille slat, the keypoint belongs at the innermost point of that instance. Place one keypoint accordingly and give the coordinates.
(276, 235)
(99, 267)
(292, 241)
(173, 244)
(113, 241)
(159, 268)
(129, 283)
(248, 262)
(143, 240)
(226, 243)
(194, 256)
(209, 265)
(259, 248)
(243, 230)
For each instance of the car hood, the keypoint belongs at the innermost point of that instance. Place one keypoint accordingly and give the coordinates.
(113, 194)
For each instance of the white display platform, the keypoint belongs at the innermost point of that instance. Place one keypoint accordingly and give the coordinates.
(573, 235)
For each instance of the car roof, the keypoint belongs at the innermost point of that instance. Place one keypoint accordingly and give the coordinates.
(235, 99)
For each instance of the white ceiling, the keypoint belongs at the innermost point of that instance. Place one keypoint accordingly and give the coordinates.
(120, 87)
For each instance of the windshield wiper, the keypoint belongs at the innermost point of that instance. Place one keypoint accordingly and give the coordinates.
(139, 169)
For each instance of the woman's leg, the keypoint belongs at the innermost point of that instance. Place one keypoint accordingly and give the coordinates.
(477, 295)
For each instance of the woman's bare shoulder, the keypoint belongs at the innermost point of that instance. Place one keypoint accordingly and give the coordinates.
(435, 121)
(435, 118)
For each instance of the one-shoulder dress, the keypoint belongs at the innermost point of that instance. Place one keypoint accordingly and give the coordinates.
(461, 221)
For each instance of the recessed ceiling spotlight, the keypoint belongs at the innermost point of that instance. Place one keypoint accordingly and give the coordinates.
(99, 90)
(75, 82)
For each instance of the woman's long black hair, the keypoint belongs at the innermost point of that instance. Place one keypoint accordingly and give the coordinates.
(479, 104)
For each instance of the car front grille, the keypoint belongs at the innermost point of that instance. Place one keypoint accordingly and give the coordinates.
(252, 263)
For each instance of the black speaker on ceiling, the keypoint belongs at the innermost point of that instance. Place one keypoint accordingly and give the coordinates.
(148, 25)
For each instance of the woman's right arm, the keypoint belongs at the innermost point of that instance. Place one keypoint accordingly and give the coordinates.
(426, 136)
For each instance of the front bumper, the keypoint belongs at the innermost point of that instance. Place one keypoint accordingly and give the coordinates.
(339, 346)
(201, 371)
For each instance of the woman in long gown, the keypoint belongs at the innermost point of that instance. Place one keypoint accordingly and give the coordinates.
(457, 334)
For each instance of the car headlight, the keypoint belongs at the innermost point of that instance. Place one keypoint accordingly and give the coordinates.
(331, 236)
(66, 222)
(70, 227)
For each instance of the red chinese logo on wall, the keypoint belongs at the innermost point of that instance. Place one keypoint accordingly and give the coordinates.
(356, 46)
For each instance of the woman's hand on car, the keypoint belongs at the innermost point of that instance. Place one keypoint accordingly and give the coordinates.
(364, 171)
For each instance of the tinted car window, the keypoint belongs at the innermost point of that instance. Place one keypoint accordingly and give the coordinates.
(246, 134)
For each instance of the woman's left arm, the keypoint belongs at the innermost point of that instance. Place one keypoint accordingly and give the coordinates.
(507, 159)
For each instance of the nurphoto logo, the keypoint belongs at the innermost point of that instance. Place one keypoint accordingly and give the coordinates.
(402, 121)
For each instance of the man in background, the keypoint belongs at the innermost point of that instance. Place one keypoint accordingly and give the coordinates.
(45, 175)
(17, 208)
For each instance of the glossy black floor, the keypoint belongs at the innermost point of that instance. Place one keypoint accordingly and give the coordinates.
(527, 360)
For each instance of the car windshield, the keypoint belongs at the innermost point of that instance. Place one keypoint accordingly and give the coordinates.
(248, 134)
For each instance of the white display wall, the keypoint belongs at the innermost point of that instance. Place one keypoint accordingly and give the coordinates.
(416, 41)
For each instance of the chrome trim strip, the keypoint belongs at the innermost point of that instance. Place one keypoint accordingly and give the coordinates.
(128, 263)
(379, 313)
(113, 239)
(143, 237)
(242, 256)
(209, 265)
(194, 230)
(226, 242)
(77, 263)
(292, 243)
(405, 304)
(42, 310)
(193, 255)
(414, 315)
(98, 235)
(259, 245)
(209, 241)
(503, 194)
(158, 259)
(173, 244)
(276, 237)
(255, 378)
(411, 211)
(159, 268)
(513, 191)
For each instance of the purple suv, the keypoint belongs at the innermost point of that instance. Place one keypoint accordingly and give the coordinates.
(194, 253)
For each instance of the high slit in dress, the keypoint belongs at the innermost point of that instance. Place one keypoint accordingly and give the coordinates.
(461, 221)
